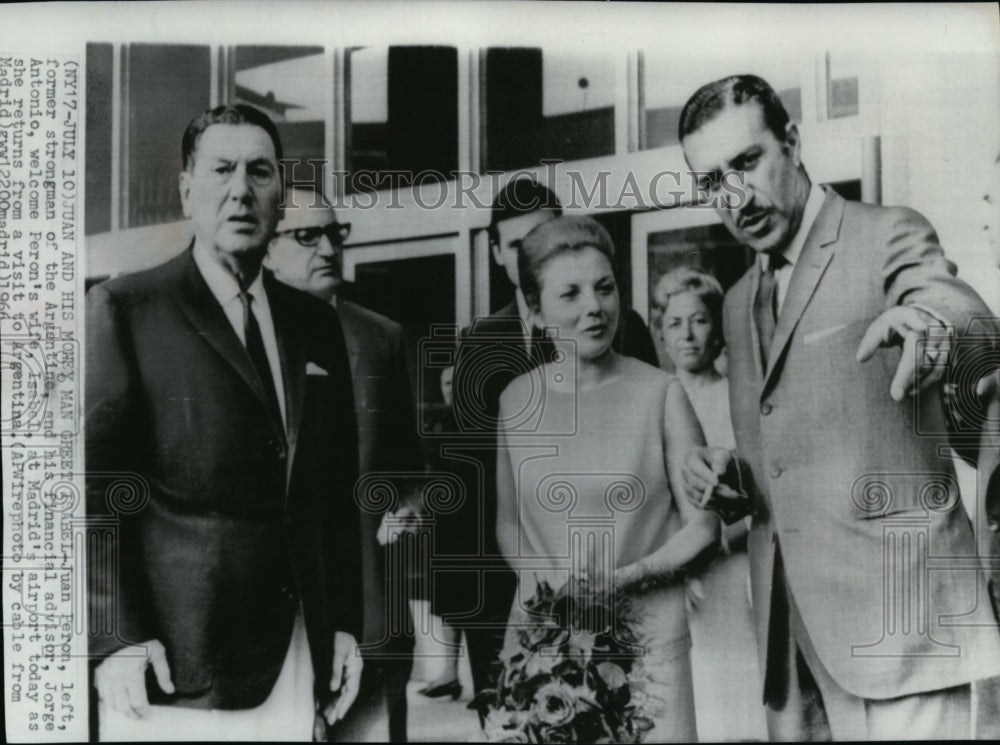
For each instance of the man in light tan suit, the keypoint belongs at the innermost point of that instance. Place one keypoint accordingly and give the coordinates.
(871, 623)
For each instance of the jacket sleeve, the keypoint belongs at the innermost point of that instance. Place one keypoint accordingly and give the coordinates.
(342, 518)
(917, 273)
(406, 449)
(636, 340)
(116, 489)
(507, 499)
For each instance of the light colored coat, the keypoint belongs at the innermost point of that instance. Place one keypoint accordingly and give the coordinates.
(854, 487)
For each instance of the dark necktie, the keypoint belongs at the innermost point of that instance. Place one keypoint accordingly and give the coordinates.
(255, 346)
(765, 305)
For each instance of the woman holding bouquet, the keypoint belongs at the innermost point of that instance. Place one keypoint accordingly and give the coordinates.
(590, 452)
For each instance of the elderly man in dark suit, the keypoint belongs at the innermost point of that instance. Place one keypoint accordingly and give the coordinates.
(844, 473)
(229, 598)
(306, 253)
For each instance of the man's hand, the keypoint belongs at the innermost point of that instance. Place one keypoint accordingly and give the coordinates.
(988, 389)
(346, 678)
(907, 326)
(407, 514)
(121, 679)
(703, 469)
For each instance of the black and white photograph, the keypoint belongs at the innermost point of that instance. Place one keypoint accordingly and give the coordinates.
(515, 371)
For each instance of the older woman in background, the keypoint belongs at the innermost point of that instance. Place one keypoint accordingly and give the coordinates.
(727, 682)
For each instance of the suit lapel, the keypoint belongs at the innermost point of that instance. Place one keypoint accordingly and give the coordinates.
(530, 346)
(816, 255)
(198, 303)
(292, 353)
(508, 311)
(758, 364)
(345, 312)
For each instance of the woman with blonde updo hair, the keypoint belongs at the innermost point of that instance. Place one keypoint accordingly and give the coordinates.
(606, 441)
(727, 682)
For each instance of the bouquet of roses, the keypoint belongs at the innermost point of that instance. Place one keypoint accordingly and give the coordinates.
(571, 675)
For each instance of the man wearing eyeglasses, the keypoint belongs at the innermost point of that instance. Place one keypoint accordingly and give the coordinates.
(307, 253)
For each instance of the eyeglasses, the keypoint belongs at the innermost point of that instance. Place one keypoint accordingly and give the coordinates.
(337, 232)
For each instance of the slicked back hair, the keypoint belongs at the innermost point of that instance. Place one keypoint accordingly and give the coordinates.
(239, 113)
(735, 90)
(521, 196)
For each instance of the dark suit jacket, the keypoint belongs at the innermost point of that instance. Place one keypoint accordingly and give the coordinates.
(633, 339)
(234, 524)
(854, 487)
(387, 443)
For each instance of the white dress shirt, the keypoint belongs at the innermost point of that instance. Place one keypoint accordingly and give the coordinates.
(226, 290)
(783, 275)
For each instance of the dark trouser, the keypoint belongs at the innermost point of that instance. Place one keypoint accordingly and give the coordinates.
(485, 632)
(484, 646)
(379, 713)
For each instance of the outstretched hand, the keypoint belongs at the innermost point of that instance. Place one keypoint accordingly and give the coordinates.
(988, 389)
(906, 326)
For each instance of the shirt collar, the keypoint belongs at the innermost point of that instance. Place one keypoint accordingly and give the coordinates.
(222, 283)
(814, 203)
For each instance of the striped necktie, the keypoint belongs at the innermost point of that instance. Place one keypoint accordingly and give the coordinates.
(765, 305)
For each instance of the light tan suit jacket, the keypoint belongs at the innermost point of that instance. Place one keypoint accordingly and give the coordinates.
(855, 488)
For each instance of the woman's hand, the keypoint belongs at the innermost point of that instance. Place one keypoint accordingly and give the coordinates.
(699, 535)
(694, 593)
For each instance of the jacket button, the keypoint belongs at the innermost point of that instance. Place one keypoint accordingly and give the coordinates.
(277, 447)
(766, 408)
(775, 470)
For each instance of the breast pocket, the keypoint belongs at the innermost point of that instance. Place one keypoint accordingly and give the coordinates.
(846, 331)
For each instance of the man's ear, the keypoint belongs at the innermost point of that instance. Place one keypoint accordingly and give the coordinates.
(793, 143)
(496, 253)
(268, 262)
(184, 185)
